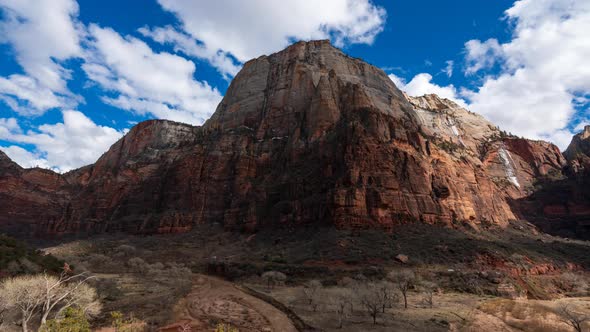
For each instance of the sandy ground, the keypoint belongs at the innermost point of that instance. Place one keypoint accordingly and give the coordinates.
(527, 315)
(213, 300)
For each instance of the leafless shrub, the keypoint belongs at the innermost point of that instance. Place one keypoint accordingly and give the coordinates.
(96, 263)
(126, 250)
(371, 299)
(340, 302)
(310, 291)
(25, 294)
(273, 278)
(47, 295)
(572, 317)
(404, 280)
(108, 289)
(428, 289)
(98, 260)
(346, 282)
(137, 265)
(388, 296)
(572, 282)
(28, 266)
(171, 274)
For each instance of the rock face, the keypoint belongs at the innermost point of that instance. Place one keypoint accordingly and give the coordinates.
(561, 205)
(28, 196)
(306, 135)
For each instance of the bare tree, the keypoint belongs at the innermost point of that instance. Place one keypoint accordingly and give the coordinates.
(573, 318)
(310, 291)
(66, 291)
(341, 301)
(24, 293)
(388, 297)
(44, 294)
(428, 289)
(372, 300)
(350, 290)
(404, 279)
(273, 278)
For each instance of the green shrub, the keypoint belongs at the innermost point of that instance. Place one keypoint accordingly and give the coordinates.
(18, 258)
(73, 320)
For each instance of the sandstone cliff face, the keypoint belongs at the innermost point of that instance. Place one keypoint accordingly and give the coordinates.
(578, 152)
(28, 196)
(561, 205)
(306, 135)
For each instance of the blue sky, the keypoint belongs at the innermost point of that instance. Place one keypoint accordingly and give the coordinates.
(76, 75)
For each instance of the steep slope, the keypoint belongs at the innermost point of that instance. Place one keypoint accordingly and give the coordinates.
(28, 195)
(578, 152)
(562, 205)
(305, 135)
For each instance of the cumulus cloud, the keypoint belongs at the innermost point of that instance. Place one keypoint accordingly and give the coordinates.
(422, 84)
(544, 69)
(481, 55)
(143, 81)
(24, 157)
(75, 142)
(184, 43)
(42, 35)
(249, 29)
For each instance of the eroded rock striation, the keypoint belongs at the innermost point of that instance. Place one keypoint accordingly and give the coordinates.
(305, 135)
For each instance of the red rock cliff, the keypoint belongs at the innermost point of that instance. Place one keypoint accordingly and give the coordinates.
(306, 135)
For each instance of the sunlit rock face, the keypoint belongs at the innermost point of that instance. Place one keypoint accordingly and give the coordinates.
(307, 135)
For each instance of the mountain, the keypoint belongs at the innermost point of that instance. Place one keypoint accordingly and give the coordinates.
(561, 205)
(307, 135)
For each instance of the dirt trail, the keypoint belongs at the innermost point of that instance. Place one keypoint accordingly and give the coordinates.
(216, 300)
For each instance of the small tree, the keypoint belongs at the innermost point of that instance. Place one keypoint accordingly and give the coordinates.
(44, 294)
(67, 291)
(404, 279)
(25, 293)
(573, 318)
(428, 288)
(273, 278)
(372, 300)
(341, 301)
(388, 297)
(310, 291)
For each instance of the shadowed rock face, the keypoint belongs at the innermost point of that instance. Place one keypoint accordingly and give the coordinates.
(561, 205)
(306, 135)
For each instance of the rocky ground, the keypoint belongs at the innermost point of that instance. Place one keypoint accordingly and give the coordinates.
(166, 279)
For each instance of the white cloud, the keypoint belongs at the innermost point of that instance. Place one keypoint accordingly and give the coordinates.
(187, 45)
(422, 84)
(147, 82)
(543, 69)
(250, 29)
(449, 68)
(8, 126)
(75, 142)
(27, 96)
(24, 157)
(481, 55)
(42, 33)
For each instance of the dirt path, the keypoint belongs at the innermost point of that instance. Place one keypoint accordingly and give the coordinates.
(215, 300)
